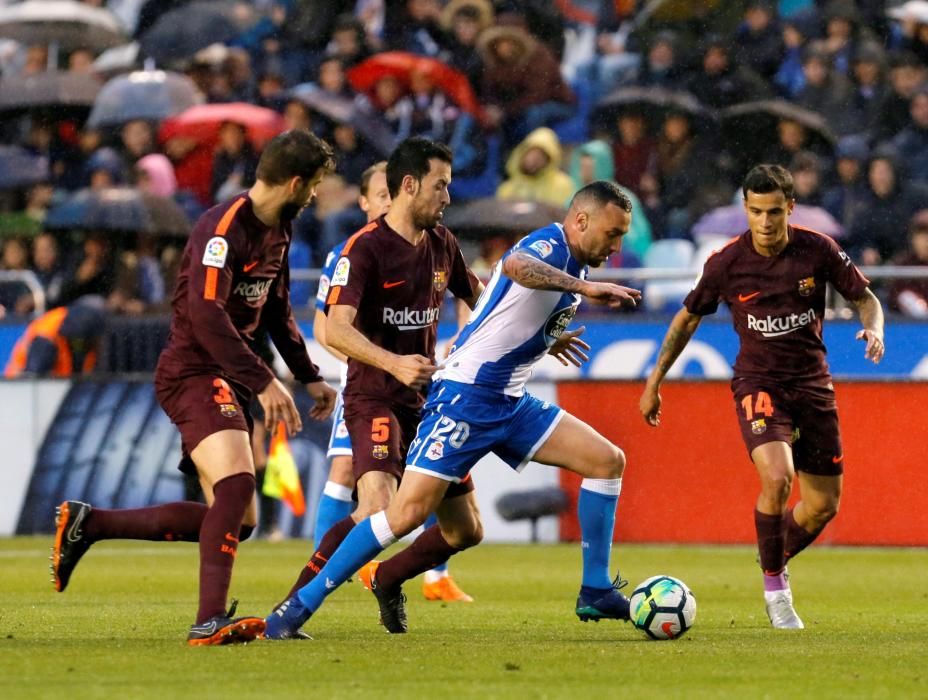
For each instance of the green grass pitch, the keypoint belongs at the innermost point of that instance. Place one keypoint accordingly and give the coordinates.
(118, 632)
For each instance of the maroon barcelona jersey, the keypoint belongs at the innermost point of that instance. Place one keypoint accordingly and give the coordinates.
(234, 273)
(398, 289)
(777, 303)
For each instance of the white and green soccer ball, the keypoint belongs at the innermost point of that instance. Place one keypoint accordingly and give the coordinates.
(663, 607)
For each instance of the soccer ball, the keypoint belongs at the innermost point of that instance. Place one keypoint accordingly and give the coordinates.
(663, 607)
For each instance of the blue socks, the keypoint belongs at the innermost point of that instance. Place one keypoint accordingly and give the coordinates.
(443, 567)
(365, 540)
(596, 512)
(335, 504)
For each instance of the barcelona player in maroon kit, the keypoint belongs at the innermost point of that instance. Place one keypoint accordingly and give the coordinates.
(234, 275)
(773, 277)
(382, 310)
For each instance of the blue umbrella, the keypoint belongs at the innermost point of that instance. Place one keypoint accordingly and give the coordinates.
(66, 24)
(356, 113)
(180, 33)
(120, 209)
(49, 89)
(152, 95)
(20, 168)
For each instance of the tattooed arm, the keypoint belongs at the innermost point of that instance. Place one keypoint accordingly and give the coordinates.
(535, 274)
(681, 329)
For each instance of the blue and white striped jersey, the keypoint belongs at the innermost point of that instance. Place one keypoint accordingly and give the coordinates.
(512, 327)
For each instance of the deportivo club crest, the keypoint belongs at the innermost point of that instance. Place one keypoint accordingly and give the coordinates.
(806, 286)
(381, 451)
(440, 280)
(759, 426)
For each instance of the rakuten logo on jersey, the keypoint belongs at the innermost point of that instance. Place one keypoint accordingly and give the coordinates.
(252, 291)
(772, 326)
(407, 319)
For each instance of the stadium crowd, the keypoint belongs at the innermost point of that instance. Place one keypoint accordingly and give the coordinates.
(673, 100)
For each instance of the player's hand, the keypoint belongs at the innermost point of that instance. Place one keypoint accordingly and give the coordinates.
(612, 295)
(414, 371)
(875, 347)
(324, 397)
(569, 349)
(278, 405)
(650, 406)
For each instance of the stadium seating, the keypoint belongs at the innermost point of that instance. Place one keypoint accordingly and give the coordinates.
(666, 295)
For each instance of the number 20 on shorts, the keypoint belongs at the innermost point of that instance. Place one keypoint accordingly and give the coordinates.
(758, 404)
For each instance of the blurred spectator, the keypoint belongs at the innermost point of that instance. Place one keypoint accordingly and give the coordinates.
(81, 61)
(351, 158)
(36, 61)
(74, 173)
(139, 285)
(522, 86)
(806, 170)
(826, 91)
(906, 75)
(878, 231)
(912, 142)
(332, 78)
(414, 26)
(463, 20)
(60, 343)
(349, 41)
(235, 80)
(797, 29)
(492, 250)
(842, 32)
(915, 39)
(271, 92)
(155, 175)
(593, 161)
(791, 140)
(870, 87)
(758, 41)
(137, 139)
(93, 273)
(633, 151)
(333, 196)
(38, 200)
(662, 66)
(310, 24)
(910, 296)
(841, 199)
(297, 115)
(47, 267)
(533, 170)
(234, 163)
(14, 256)
(105, 168)
(338, 225)
(720, 82)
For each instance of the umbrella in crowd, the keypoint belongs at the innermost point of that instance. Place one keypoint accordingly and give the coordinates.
(178, 34)
(491, 216)
(654, 104)
(49, 89)
(340, 110)
(202, 123)
(403, 66)
(732, 221)
(20, 168)
(121, 209)
(67, 24)
(750, 128)
(152, 95)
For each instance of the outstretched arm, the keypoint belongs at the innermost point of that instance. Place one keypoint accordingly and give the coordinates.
(535, 274)
(871, 317)
(681, 329)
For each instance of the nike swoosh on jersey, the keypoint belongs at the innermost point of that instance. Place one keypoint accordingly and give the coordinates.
(390, 285)
(250, 266)
(747, 297)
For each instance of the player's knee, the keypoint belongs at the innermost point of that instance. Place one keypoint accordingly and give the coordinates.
(825, 510)
(777, 486)
(611, 463)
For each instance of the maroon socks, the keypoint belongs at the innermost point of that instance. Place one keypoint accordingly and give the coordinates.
(338, 532)
(770, 542)
(427, 551)
(797, 537)
(219, 541)
(173, 522)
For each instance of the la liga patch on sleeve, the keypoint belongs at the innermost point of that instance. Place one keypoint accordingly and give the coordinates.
(543, 248)
(340, 276)
(216, 252)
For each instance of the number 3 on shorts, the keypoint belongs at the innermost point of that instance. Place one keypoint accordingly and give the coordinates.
(223, 392)
(757, 404)
(380, 429)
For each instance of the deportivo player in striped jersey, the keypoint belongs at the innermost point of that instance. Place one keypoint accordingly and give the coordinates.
(234, 275)
(773, 278)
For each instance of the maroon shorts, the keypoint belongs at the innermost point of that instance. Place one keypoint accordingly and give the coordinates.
(381, 432)
(200, 406)
(804, 417)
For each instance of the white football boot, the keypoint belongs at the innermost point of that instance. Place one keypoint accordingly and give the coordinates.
(780, 610)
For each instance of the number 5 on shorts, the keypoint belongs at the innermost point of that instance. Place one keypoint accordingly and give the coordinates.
(380, 429)
(757, 405)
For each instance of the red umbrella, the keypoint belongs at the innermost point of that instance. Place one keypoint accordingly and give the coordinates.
(402, 66)
(202, 122)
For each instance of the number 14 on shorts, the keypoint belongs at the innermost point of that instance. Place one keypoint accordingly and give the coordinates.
(758, 404)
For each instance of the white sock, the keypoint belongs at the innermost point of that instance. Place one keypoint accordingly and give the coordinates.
(433, 576)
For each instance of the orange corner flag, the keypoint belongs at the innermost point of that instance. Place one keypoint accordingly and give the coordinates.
(282, 479)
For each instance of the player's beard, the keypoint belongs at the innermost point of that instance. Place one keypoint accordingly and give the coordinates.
(424, 218)
(289, 211)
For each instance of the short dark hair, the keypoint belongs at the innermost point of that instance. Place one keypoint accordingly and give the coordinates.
(604, 192)
(412, 157)
(766, 178)
(378, 167)
(295, 153)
